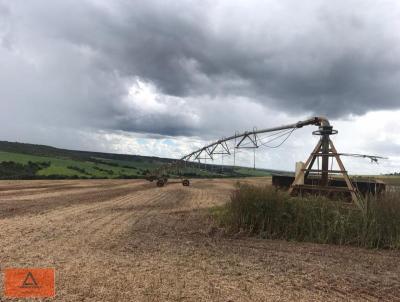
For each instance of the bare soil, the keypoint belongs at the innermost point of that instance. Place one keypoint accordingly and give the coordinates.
(127, 240)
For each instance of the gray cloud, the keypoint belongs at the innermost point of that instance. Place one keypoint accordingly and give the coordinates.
(72, 63)
(388, 148)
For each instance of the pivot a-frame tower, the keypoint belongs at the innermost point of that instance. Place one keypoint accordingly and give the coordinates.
(311, 180)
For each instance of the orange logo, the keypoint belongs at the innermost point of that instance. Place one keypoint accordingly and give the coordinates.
(29, 282)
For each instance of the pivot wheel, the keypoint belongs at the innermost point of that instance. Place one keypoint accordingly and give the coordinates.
(185, 182)
(160, 182)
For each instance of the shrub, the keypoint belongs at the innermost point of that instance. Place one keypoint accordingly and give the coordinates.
(13, 170)
(273, 214)
(110, 172)
(78, 169)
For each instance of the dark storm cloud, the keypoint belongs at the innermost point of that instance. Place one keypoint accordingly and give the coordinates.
(72, 62)
(345, 61)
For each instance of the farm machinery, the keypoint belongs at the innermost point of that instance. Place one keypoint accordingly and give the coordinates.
(308, 179)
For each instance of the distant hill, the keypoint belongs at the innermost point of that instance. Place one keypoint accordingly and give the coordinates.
(29, 161)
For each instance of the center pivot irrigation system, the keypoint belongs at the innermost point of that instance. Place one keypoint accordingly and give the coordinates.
(252, 140)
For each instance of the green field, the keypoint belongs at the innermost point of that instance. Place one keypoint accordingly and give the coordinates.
(393, 180)
(27, 161)
(65, 166)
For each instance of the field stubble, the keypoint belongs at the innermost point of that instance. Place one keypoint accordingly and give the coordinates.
(120, 240)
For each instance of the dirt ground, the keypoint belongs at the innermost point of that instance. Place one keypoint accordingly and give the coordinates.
(127, 240)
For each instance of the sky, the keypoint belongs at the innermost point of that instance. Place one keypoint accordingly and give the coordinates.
(163, 78)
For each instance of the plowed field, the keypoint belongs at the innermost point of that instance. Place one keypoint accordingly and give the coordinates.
(127, 240)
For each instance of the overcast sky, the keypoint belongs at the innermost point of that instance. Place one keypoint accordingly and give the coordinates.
(164, 77)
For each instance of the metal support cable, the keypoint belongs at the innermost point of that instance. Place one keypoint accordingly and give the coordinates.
(253, 136)
(277, 135)
(280, 144)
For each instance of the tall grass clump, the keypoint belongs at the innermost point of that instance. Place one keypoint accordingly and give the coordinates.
(274, 214)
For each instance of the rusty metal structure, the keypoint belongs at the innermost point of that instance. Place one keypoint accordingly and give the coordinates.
(324, 151)
(366, 186)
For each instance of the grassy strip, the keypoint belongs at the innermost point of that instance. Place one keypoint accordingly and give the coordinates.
(273, 214)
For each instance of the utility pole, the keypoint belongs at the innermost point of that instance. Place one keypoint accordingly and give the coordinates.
(234, 151)
(254, 158)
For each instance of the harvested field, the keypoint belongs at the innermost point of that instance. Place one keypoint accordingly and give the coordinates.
(127, 240)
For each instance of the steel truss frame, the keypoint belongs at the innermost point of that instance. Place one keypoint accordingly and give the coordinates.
(324, 149)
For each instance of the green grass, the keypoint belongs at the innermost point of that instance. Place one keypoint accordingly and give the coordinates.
(252, 172)
(393, 180)
(82, 164)
(97, 167)
(20, 158)
(59, 166)
(273, 214)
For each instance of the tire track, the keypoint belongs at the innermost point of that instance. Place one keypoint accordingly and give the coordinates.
(163, 198)
(113, 224)
(65, 222)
